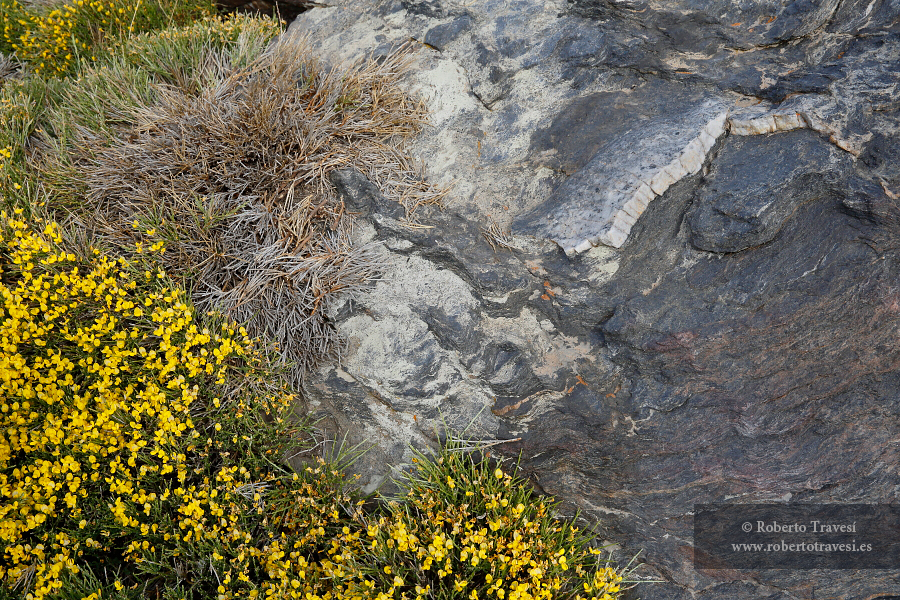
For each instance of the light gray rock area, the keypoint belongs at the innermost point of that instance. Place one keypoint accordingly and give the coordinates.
(667, 271)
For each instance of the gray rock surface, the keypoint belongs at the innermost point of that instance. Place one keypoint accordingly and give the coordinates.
(735, 209)
(667, 272)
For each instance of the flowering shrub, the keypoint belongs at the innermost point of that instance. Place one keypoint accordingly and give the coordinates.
(5, 155)
(53, 39)
(114, 447)
(467, 530)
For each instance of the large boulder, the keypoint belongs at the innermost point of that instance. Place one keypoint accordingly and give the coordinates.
(668, 271)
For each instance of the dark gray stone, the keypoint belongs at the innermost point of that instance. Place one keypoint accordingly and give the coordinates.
(440, 35)
(362, 196)
(426, 8)
(602, 142)
(736, 208)
(882, 155)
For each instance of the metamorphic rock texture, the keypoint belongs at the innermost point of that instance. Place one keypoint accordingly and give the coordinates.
(668, 268)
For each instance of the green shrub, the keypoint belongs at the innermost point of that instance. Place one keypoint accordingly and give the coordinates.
(57, 38)
(121, 444)
(466, 529)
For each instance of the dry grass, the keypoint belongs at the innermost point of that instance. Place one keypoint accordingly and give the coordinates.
(496, 237)
(9, 67)
(234, 178)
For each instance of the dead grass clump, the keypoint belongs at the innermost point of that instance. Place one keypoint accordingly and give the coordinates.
(233, 178)
(9, 67)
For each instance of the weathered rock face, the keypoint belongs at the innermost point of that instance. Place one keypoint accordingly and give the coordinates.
(669, 267)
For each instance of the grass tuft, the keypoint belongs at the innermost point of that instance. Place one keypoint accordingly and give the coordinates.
(213, 142)
(229, 167)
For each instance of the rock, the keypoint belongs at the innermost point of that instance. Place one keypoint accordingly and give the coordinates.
(735, 210)
(667, 270)
(362, 196)
(628, 168)
(440, 35)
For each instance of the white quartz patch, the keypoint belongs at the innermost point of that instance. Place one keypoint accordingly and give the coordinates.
(761, 121)
(687, 162)
(601, 202)
(767, 123)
